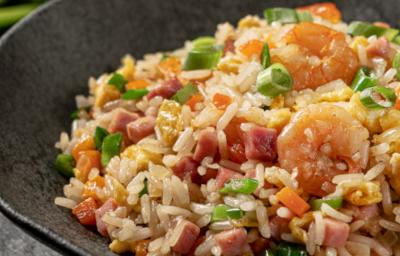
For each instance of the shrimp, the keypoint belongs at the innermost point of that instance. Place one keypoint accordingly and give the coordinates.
(322, 141)
(316, 55)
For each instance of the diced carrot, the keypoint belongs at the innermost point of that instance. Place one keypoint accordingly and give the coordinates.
(137, 84)
(89, 190)
(397, 104)
(197, 98)
(251, 48)
(293, 201)
(381, 24)
(84, 144)
(87, 160)
(221, 101)
(170, 66)
(141, 248)
(85, 211)
(326, 10)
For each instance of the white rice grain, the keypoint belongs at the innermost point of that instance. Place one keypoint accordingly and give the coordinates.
(222, 144)
(375, 245)
(205, 247)
(347, 177)
(319, 228)
(230, 165)
(356, 225)
(230, 112)
(374, 171)
(65, 202)
(389, 225)
(176, 211)
(331, 212)
(284, 212)
(355, 248)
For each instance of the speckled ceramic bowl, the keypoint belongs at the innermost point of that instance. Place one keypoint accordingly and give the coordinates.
(46, 60)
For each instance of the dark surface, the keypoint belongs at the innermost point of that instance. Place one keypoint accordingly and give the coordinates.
(48, 58)
(15, 242)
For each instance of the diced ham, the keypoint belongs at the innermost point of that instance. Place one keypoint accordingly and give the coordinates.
(231, 242)
(370, 214)
(224, 175)
(381, 48)
(120, 119)
(186, 168)
(206, 146)
(260, 245)
(229, 46)
(260, 144)
(186, 238)
(165, 90)
(210, 174)
(278, 226)
(108, 206)
(336, 233)
(141, 128)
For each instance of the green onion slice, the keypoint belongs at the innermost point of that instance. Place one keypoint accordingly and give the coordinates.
(242, 186)
(134, 94)
(265, 56)
(111, 147)
(358, 28)
(204, 42)
(363, 79)
(118, 81)
(224, 212)
(378, 97)
(335, 203)
(202, 59)
(274, 80)
(184, 94)
(145, 189)
(283, 15)
(288, 249)
(396, 64)
(99, 134)
(304, 16)
(65, 165)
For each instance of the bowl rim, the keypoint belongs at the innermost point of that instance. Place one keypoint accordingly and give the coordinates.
(29, 226)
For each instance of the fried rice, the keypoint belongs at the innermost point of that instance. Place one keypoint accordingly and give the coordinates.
(279, 136)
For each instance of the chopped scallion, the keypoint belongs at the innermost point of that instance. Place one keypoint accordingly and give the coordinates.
(335, 203)
(184, 94)
(202, 59)
(265, 56)
(111, 147)
(99, 134)
(134, 94)
(274, 80)
(358, 28)
(65, 165)
(396, 64)
(145, 189)
(205, 42)
(304, 16)
(224, 212)
(282, 15)
(363, 79)
(118, 81)
(378, 97)
(242, 186)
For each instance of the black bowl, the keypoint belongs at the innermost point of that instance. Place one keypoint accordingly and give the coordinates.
(47, 59)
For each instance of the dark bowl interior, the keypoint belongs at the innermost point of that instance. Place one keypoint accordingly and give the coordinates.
(47, 59)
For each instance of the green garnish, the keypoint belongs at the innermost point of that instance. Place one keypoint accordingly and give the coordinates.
(74, 114)
(287, 249)
(99, 134)
(65, 165)
(265, 56)
(202, 59)
(242, 186)
(118, 81)
(11, 14)
(134, 94)
(378, 97)
(304, 16)
(274, 80)
(363, 79)
(224, 212)
(111, 147)
(335, 203)
(396, 64)
(282, 15)
(204, 42)
(359, 28)
(145, 189)
(184, 94)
